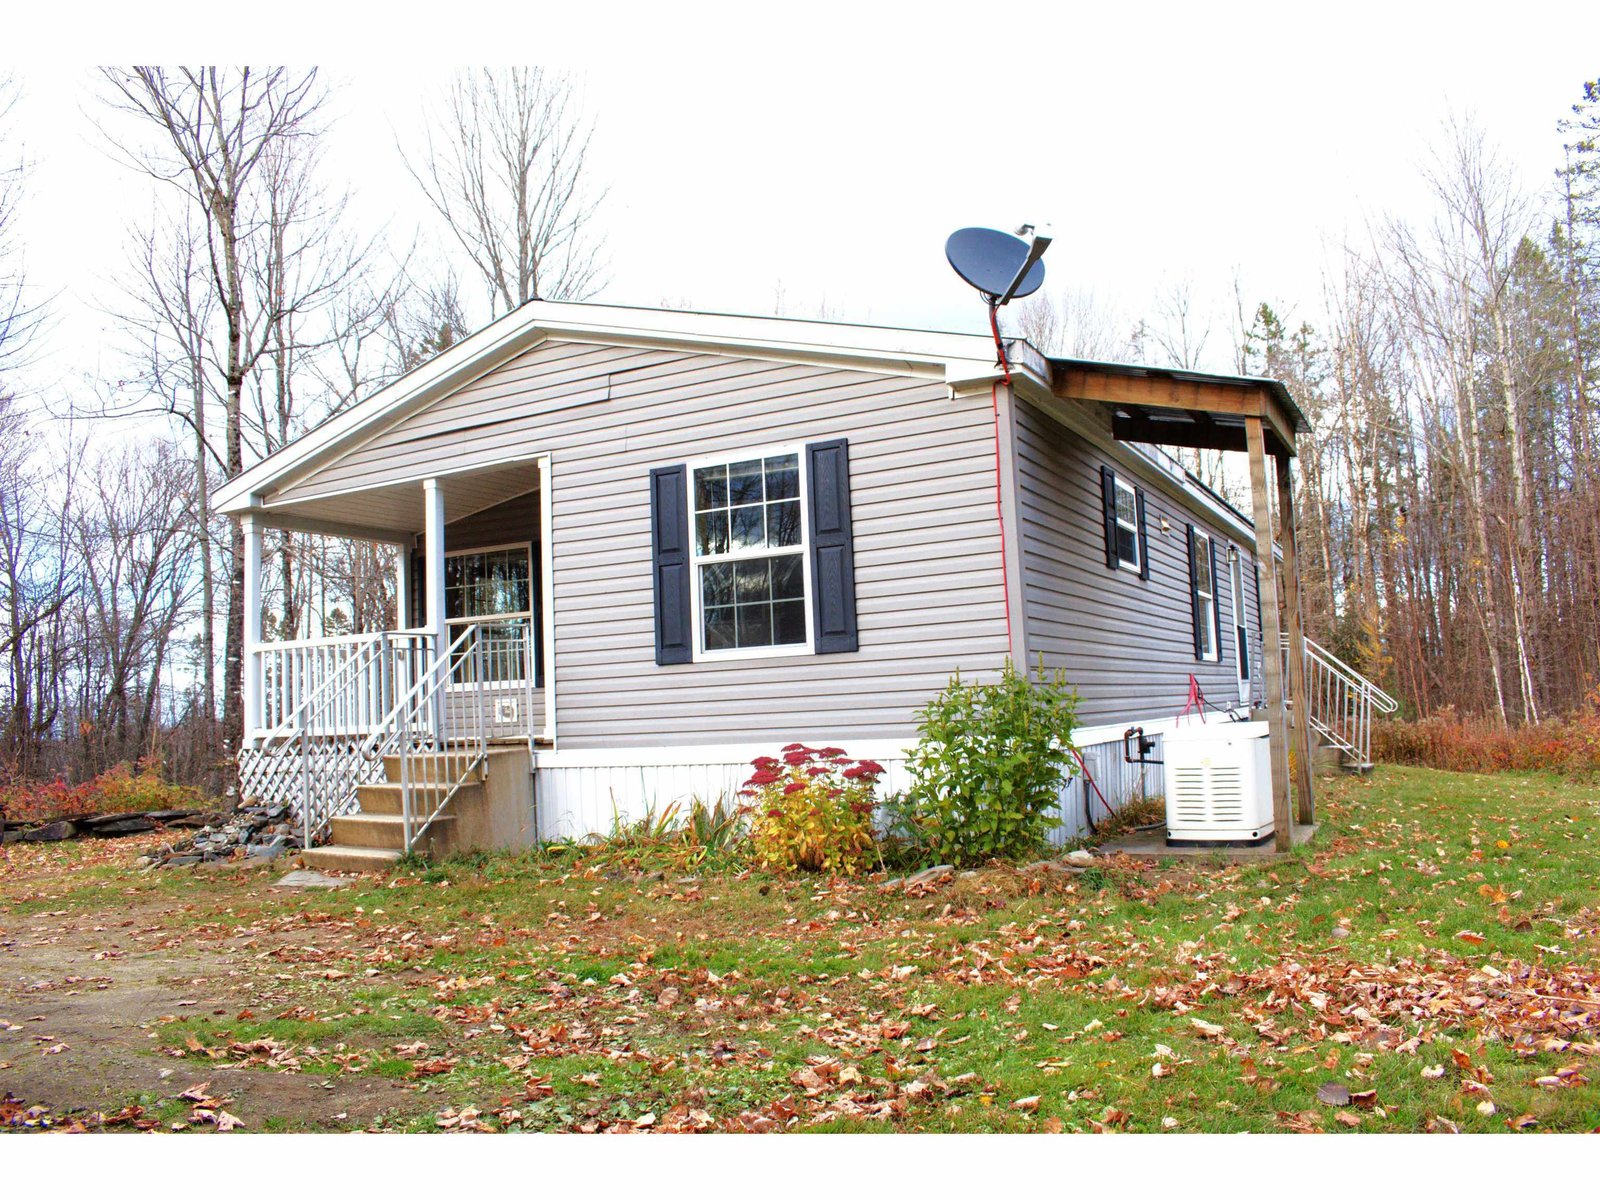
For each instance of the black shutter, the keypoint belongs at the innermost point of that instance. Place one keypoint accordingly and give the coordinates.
(833, 572)
(1194, 590)
(669, 541)
(1108, 502)
(1144, 538)
(1216, 601)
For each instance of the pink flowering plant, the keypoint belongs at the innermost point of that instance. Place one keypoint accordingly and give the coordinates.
(811, 810)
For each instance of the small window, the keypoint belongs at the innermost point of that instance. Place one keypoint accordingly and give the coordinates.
(749, 552)
(1205, 597)
(1127, 526)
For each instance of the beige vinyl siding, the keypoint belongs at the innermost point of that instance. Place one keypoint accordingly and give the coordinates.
(927, 555)
(1127, 644)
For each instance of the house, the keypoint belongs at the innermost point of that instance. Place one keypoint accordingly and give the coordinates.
(642, 547)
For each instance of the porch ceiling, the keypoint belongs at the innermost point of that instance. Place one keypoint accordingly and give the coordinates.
(394, 512)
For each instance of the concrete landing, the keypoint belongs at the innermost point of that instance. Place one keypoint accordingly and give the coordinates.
(1154, 845)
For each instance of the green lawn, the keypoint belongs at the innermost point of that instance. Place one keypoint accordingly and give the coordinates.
(1433, 955)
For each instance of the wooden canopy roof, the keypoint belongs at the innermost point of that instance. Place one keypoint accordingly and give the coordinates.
(1182, 408)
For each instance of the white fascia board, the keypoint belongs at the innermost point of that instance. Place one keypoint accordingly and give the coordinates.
(899, 350)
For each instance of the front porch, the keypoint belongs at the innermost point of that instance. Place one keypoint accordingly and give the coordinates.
(415, 707)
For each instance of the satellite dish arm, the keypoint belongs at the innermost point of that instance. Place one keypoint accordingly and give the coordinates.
(1041, 239)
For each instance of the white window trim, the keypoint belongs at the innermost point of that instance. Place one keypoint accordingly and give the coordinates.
(696, 559)
(1210, 600)
(1137, 565)
(458, 622)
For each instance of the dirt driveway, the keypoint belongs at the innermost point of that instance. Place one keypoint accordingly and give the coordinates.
(82, 998)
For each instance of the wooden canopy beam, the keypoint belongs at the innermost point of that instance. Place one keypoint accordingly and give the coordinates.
(1079, 382)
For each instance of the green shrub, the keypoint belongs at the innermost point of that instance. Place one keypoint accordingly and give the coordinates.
(812, 810)
(987, 770)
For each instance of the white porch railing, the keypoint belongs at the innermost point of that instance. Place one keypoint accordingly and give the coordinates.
(372, 669)
(1340, 701)
(344, 705)
(328, 694)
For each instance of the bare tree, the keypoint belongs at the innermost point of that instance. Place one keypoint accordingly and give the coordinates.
(506, 169)
(18, 317)
(211, 133)
(1073, 323)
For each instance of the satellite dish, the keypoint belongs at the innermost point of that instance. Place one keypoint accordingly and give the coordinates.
(999, 265)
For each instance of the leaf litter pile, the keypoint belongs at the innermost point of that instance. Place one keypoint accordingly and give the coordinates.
(1429, 965)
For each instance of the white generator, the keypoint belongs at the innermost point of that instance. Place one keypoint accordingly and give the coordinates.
(1219, 783)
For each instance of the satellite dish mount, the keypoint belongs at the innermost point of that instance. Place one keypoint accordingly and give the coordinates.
(1002, 267)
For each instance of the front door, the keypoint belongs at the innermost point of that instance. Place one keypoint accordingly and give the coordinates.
(1241, 638)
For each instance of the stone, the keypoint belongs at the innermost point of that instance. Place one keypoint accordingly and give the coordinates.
(268, 849)
(183, 860)
(123, 827)
(1081, 858)
(311, 879)
(930, 875)
(56, 831)
(9, 836)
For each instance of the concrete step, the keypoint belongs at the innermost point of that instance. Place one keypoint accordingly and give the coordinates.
(349, 858)
(450, 764)
(383, 799)
(376, 831)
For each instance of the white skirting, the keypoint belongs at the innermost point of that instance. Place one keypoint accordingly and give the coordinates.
(591, 791)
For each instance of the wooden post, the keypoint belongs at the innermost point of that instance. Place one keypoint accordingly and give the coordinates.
(1305, 800)
(1271, 653)
(250, 679)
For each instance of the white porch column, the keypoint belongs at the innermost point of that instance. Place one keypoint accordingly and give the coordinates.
(433, 580)
(251, 681)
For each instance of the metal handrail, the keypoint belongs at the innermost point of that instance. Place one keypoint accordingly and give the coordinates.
(1381, 699)
(1340, 700)
(424, 726)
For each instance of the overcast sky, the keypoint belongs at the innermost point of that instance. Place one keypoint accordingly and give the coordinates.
(830, 152)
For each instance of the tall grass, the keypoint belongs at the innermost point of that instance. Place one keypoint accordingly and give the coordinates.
(1449, 741)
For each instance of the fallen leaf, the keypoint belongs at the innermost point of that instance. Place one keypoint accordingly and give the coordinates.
(1335, 1094)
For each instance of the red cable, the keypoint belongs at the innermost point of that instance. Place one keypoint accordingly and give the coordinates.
(999, 505)
(1084, 767)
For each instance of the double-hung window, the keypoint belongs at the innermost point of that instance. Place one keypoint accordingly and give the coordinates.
(1127, 525)
(1203, 560)
(748, 540)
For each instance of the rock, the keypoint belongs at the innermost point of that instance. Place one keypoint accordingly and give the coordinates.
(9, 836)
(182, 860)
(268, 849)
(1055, 866)
(930, 875)
(1081, 858)
(1339, 931)
(310, 879)
(188, 821)
(56, 831)
(123, 827)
